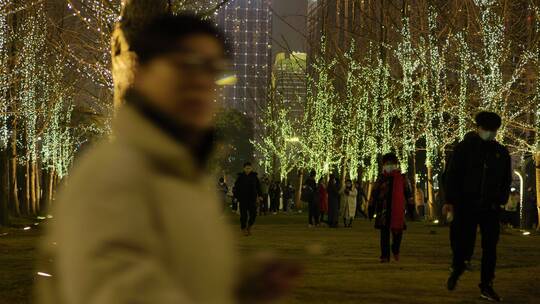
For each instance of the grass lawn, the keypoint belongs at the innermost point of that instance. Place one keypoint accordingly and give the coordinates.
(341, 265)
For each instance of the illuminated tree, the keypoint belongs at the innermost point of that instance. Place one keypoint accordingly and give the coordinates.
(432, 89)
(409, 107)
(494, 83)
(464, 55)
(4, 108)
(319, 138)
(283, 144)
(381, 137)
(351, 117)
(120, 19)
(536, 125)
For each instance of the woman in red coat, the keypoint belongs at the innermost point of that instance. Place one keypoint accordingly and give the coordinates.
(390, 196)
(323, 199)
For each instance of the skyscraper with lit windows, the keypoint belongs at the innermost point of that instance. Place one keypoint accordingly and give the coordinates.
(248, 25)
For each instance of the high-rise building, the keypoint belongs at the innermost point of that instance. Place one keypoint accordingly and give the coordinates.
(248, 25)
(289, 82)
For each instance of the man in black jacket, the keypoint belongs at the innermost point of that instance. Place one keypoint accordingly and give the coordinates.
(247, 190)
(311, 196)
(477, 183)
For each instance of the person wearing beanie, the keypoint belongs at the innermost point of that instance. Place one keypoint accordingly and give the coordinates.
(477, 182)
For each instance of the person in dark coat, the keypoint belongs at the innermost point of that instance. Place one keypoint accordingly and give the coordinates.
(312, 198)
(333, 202)
(360, 198)
(223, 189)
(288, 194)
(247, 190)
(265, 188)
(275, 194)
(477, 183)
(391, 194)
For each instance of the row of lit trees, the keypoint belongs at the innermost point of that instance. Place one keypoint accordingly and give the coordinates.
(57, 85)
(37, 139)
(422, 97)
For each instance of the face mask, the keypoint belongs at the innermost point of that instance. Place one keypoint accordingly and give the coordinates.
(390, 168)
(487, 135)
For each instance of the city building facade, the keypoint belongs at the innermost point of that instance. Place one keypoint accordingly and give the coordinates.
(290, 83)
(248, 26)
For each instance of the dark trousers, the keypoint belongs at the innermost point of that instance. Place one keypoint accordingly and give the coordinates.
(286, 204)
(264, 204)
(385, 242)
(313, 213)
(322, 217)
(420, 211)
(274, 205)
(347, 222)
(360, 211)
(248, 213)
(463, 236)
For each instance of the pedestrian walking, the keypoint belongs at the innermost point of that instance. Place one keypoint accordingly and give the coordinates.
(275, 195)
(248, 192)
(310, 195)
(477, 183)
(333, 202)
(223, 189)
(360, 199)
(391, 194)
(264, 206)
(323, 200)
(288, 195)
(420, 200)
(348, 195)
(510, 212)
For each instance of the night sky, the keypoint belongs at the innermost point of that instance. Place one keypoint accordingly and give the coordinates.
(285, 36)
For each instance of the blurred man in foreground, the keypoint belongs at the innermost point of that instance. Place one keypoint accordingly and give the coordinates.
(139, 221)
(477, 183)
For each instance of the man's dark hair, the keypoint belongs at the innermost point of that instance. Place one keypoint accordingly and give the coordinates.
(312, 173)
(488, 121)
(247, 164)
(390, 157)
(162, 35)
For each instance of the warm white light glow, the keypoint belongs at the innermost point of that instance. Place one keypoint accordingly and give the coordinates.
(227, 80)
(521, 186)
(293, 139)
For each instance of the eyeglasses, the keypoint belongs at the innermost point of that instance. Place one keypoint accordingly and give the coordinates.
(198, 64)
